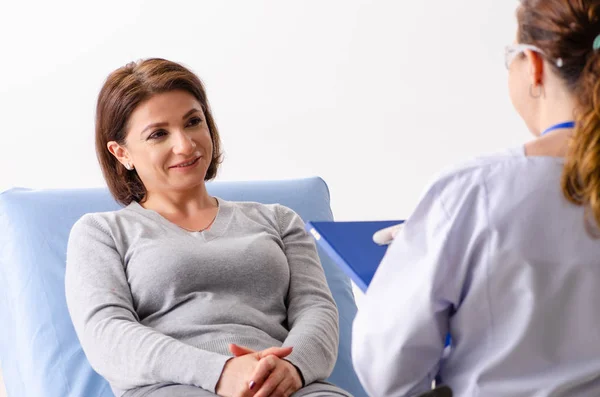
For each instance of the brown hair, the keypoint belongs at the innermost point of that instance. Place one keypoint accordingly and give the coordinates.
(567, 30)
(123, 91)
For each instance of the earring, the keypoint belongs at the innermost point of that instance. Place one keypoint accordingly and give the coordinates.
(129, 166)
(540, 93)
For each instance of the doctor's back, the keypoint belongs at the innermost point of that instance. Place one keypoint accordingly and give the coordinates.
(503, 252)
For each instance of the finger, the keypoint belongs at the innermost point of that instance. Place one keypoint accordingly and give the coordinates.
(262, 371)
(387, 235)
(237, 350)
(271, 384)
(282, 389)
(280, 352)
(293, 374)
(291, 390)
(396, 229)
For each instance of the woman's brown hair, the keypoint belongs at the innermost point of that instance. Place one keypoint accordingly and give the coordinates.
(568, 30)
(123, 91)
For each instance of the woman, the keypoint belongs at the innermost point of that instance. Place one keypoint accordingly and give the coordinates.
(184, 294)
(502, 253)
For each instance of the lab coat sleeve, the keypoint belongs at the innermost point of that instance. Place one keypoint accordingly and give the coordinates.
(400, 330)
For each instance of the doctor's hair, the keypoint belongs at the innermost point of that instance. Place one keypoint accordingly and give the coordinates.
(570, 30)
(124, 90)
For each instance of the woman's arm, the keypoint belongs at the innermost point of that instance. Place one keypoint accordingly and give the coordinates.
(125, 352)
(312, 313)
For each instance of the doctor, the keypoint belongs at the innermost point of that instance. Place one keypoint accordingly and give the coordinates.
(503, 251)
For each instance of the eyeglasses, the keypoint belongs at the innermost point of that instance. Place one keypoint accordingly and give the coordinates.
(511, 52)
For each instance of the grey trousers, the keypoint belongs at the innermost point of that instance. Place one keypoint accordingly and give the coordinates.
(317, 389)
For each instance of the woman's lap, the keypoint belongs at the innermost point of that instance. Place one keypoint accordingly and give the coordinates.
(169, 390)
(316, 389)
(319, 389)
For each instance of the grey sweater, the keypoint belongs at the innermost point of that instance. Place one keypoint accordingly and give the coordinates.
(153, 303)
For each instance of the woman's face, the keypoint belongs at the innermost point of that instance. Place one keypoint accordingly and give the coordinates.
(168, 142)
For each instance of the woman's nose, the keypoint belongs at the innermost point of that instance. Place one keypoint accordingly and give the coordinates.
(184, 144)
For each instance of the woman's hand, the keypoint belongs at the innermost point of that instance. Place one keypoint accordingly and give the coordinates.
(237, 373)
(387, 235)
(273, 376)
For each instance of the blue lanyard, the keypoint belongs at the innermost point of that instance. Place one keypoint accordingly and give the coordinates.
(568, 124)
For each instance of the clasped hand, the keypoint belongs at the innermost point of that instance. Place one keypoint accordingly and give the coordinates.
(259, 374)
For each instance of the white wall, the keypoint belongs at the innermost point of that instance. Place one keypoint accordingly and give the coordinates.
(374, 96)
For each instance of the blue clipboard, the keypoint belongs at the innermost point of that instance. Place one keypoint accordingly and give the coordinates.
(351, 246)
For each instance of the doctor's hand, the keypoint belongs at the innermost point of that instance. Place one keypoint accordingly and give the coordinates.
(274, 376)
(238, 371)
(387, 235)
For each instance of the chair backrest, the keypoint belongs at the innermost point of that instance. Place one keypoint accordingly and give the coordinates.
(39, 350)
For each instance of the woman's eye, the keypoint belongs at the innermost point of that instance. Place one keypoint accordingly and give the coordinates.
(157, 134)
(194, 121)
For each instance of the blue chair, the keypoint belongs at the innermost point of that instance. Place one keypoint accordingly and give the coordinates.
(39, 350)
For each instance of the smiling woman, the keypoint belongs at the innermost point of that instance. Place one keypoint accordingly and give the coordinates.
(144, 93)
(172, 156)
(184, 294)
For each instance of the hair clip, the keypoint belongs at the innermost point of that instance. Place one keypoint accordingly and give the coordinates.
(596, 45)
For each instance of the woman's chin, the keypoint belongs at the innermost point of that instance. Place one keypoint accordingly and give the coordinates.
(189, 184)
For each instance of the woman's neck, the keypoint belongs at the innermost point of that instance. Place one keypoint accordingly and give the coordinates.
(553, 144)
(557, 107)
(180, 203)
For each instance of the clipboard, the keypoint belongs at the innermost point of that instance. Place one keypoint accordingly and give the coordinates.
(351, 246)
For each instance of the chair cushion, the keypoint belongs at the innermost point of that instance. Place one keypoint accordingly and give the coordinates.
(39, 350)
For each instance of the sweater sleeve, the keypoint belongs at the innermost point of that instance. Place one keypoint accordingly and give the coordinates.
(125, 352)
(312, 313)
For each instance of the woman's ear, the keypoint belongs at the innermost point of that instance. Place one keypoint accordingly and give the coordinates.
(119, 152)
(535, 64)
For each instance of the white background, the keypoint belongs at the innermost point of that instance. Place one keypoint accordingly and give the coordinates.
(374, 96)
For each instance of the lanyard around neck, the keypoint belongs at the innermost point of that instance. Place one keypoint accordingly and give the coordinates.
(568, 124)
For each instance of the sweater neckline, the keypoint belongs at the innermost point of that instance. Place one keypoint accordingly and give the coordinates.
(218, 228)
